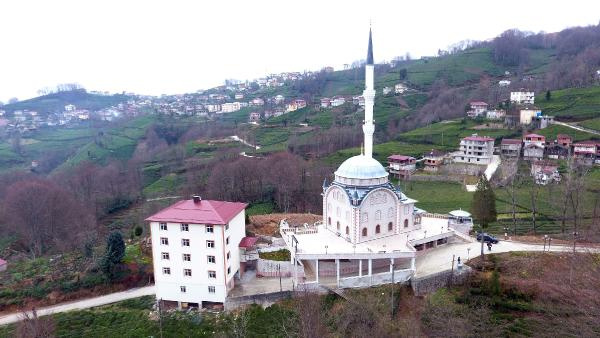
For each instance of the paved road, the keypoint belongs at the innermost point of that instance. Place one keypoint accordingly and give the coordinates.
(440, 259)
(84, 303)
(576, 127)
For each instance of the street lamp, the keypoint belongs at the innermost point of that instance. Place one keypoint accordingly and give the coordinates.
(545, 239)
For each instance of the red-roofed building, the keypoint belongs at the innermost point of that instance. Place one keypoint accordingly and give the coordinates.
(564, 140)
(433, 160)
(475, 149)
(401, 166)
(545, 172)
(248, 254)
(478, 108)
(195, 250)
(585, 150)
(510, 147)
(533, 146)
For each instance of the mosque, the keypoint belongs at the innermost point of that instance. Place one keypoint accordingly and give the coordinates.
(371, 231)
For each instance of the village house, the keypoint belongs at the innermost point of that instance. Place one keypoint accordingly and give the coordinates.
(279, 99)
(522, 97)
(557, 151)
(195, 251)
(254, 117)
(325, 102)
(478, 108)
(213, 108)
(504, 83)
(300, 103)
(257, 102)
(585, 151)
(338, 101)
(400, 88)
(510, 147)
(230, 107)
(387, 90)
(475, 149)
(401, 166)
(496, 114)
(70, 108)
(239, 96)
(528, 114)
(564, 140)
(545, 172)
(433, 160)
(533, 146)
(248, 254)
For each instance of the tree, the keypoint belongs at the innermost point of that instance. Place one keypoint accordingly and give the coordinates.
(113, 256)
(548, 95)
(403, 73)
(483, 206)
(534, 192)
(33, 326)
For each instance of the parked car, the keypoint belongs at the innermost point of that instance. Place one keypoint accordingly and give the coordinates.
(487, 238)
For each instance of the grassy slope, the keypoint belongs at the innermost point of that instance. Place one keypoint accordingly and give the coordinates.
(56, 102)
(572, 103)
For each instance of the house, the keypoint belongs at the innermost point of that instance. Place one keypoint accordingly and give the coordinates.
(248, 254)
(338, 101)
(325, 102)
(475, 149)
(564, 140)
(70, 108)
(230, 107)
(533, 146)
(239, 96)
(478, 108)
(254, 117)
(400, 88)
(279, 99)
(526, 115)
(504, 83)
(496, 114)
(433, 160)
(522, 97)
(401, 166)
(545, 172)
(557, 151)
(510, 147)
(195, 250)
(257, 102)
(543, 121)
(300, 103)
(3, 265)
(585, 150)
(387, 90)
(213, 108)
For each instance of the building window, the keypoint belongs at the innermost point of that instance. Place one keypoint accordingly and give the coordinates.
(210, 229)
(163, 226)
(185, 242)
(182, 289)
(347, 230)
(185, 227)
(406, 210)
(164, 241)
(377, 215)
(212, 274)
(228, 255)
(390, 226)
(187, 272)
(226, 226)
(187, 257)
(391, 213)
(210, 244)
(211, 289)
(377, 229)
(364, 232)
(166, 271)
(211, 259)
(228, 270)
(329, 220)
(165, 255)
(364, 217)
(338, 225)
(406, 223)
(227, 240)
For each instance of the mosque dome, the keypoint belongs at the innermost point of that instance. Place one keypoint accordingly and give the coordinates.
(361, 170)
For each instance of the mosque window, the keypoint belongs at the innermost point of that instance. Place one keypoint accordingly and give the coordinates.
(378, 215)
(391, 212)
(347, 230)
(364, 217)
(406, 223)
(338, 225)
(338, 212)
(364, 232)
(377, 229)
(390, 226)
(329, 220)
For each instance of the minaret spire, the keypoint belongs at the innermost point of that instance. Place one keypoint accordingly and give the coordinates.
(369, 96)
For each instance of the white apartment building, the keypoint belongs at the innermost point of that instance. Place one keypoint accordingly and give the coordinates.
(195, 250)
(475, 149)
(230, 107)
(522, 97)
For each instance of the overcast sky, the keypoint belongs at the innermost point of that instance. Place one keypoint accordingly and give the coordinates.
(155, 47)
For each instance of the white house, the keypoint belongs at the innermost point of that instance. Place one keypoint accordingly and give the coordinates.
(230, 107)
(400, 88)
(478, 108)
(527, 115)
(475, 149)
(387, 90)
(504, 83)
(522, 97)
(70, 108)
(195, 250)
(338, 101)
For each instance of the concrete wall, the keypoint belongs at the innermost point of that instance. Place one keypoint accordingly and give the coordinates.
(264, 300)
(269, 268)
(431, 283)
(400, 276)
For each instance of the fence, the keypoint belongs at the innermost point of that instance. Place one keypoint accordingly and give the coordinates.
(269, 268)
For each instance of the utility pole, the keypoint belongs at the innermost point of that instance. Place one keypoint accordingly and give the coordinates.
(279, 273)
(392, 302)
(452, 270)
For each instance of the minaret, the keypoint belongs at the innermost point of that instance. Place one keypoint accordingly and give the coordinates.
(369, 95)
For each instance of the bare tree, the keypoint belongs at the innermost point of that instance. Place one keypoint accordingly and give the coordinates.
(33, 326)
(534, 192)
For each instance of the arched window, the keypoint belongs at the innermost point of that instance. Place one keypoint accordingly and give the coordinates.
(378, 214)
(347, 230)
(377, 229)
(406, 223)
(338, 225)
(329, 220)
(364, 232)
(390, 226)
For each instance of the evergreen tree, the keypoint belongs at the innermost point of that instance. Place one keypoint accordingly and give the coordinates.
(548, 95)
(403, 74)
(483, 206)
(115, 251)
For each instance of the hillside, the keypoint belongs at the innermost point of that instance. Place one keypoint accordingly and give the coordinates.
(55, 102)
